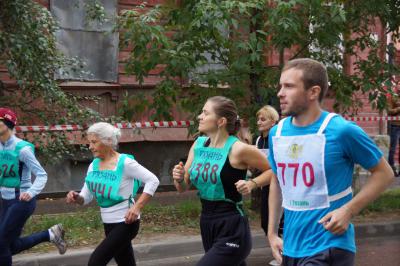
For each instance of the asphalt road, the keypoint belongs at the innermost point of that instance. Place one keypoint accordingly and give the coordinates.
(377, 251)
(371, 252)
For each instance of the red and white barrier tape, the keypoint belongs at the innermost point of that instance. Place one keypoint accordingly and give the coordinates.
(48, 128)
(152, 124)
(172, 124)
(372, 118)
(163, 124)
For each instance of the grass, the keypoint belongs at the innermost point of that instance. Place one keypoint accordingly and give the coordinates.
(159, 218)
(388, 201)
(83, 228)
(86, 229)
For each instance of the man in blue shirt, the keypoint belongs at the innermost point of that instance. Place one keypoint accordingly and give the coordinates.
(17, 163)
(312, 153)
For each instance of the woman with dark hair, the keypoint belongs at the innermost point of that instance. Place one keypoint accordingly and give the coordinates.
(216, 162)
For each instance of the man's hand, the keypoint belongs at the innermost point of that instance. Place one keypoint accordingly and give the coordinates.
(25, 196)
(276, 244)
(337, 221)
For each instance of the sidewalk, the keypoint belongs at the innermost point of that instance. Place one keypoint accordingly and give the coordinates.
(178, 247)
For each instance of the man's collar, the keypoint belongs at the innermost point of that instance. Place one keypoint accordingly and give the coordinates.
(9, 141)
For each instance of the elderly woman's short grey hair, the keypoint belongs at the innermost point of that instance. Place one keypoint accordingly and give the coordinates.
(107, 133)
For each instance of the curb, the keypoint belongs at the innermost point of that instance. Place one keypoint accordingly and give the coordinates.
(189, 246)
(377, 230)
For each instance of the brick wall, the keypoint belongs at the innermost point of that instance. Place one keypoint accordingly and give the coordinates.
(110, 94)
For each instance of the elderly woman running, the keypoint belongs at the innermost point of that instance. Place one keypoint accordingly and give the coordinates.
(112, 179)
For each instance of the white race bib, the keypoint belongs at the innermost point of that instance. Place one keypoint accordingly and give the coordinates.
(301, 169)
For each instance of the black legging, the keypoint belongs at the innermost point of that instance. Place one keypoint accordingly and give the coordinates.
(264, 209)
(226, 239)
(117, 245)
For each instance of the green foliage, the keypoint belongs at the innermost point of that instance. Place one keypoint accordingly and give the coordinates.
(132, 105)
(95, 12)
(201, 48)
(388, 201)
(28, 50)
(208, 47)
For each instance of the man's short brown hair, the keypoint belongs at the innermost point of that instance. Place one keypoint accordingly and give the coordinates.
(314, 73)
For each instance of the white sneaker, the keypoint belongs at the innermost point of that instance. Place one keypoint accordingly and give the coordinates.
(274, 263)
(58, 239)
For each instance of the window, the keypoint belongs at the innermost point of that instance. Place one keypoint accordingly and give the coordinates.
(92, 42)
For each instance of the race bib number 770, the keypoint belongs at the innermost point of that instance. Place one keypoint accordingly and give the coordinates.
(304, 170)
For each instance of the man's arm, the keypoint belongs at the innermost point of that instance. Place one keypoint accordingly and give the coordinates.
(28, 158)
(381, 177)
(274, 216)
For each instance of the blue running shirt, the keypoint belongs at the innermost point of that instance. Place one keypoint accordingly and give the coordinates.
(346, 144)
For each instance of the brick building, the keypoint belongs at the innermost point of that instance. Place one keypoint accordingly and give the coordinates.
(109, 81)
